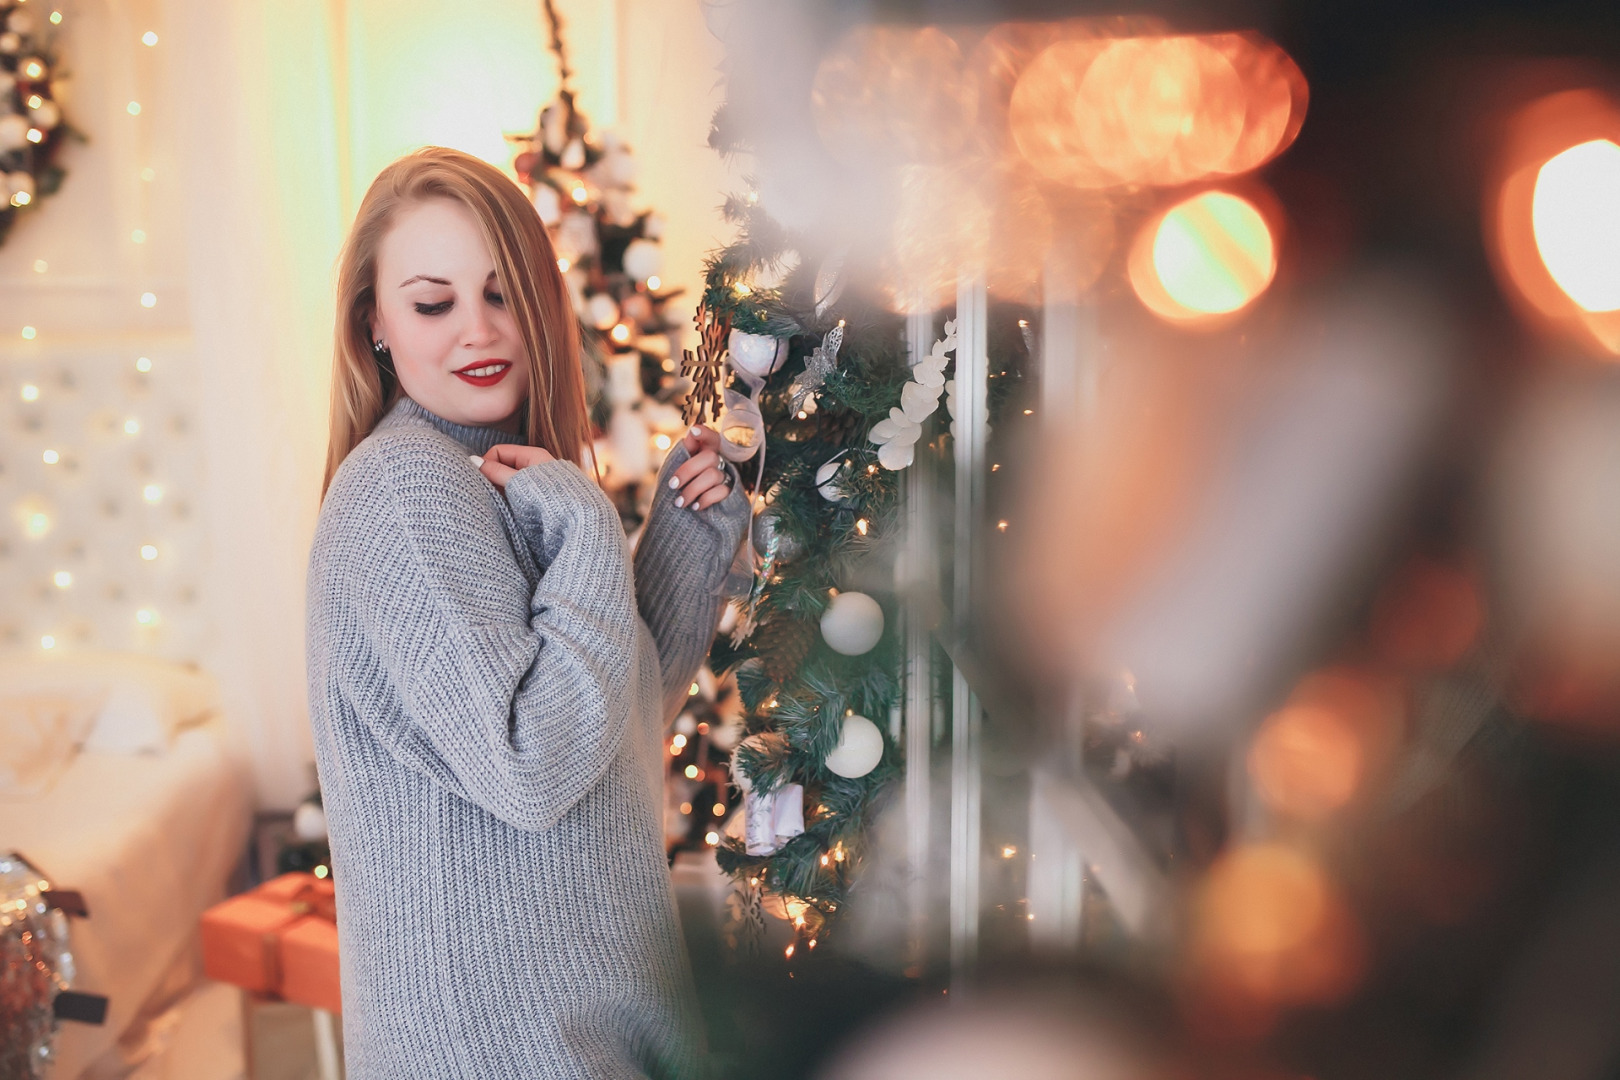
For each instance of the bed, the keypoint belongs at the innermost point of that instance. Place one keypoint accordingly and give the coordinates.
(131, 793)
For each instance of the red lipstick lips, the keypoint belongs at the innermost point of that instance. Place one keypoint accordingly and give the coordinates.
(488, 372)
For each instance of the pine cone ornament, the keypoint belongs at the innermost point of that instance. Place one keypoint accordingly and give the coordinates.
(784, 644)
(839, 427)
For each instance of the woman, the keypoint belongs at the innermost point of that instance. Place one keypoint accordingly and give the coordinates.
(487, 704)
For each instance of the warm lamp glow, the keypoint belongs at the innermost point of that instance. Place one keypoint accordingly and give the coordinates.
(1208, 256)
(1575, 214)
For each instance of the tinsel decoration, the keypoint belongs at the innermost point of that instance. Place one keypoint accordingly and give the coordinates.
(32, 129)
(823, 362)
(784, 643)
(36, 964)
(706, 368)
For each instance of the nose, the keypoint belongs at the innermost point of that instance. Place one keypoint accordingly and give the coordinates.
(480, 330)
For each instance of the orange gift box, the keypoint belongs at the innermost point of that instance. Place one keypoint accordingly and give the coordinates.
(280, 939)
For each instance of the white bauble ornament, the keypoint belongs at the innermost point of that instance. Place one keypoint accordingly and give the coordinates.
(629, 441)
(643, 259)
(46, 116)
(685, 725)
(602, 310)
(859, 749)
(623, 380)
(309, 822)
(617, 168)
(852, 623)
(573, 156)
(576, 237)
(548, 204)
(13, 132)
(554, 127)
(757, 354)
(827, 481)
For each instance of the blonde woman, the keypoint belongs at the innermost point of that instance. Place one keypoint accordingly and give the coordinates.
(489, 675)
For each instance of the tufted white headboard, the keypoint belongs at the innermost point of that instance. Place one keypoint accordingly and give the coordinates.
(100, 473)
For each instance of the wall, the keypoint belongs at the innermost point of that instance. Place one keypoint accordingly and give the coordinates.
(261, 125)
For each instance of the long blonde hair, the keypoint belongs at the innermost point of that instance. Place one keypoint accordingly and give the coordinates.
(557, 418)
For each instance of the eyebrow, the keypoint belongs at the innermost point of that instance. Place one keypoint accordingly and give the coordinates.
(432, 280)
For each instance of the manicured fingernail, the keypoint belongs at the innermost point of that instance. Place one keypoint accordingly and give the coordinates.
(674, 482)
(679, 501)
(476, 460)
(697, 431)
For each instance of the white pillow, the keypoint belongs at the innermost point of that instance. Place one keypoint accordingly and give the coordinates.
(144, 701)
(39, 734)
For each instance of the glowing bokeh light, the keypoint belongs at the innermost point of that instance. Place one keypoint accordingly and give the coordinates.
(1166, 110)
(1314, 755)
(1208, 256)
(1271, 930)
(1575, 214)
(1549, 226)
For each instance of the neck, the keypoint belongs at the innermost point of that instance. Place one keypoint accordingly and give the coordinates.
(475, 437)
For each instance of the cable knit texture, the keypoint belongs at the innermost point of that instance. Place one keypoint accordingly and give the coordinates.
(489, 683)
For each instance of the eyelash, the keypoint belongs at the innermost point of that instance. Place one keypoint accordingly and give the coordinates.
(444, 305)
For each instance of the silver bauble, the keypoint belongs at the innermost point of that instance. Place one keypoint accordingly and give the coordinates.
(767, 528)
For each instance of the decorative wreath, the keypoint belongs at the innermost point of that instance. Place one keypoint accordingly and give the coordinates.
(31, 127)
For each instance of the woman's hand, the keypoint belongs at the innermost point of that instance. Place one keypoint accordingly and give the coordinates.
(503, 461)
(701, 480)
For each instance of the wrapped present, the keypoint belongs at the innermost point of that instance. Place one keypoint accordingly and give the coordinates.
(278, 940)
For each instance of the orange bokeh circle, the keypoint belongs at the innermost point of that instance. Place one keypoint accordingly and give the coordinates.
(1161, 110)
(1535, 136)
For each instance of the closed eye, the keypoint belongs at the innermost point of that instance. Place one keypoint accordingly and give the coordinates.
(495, 298)
(433, 309)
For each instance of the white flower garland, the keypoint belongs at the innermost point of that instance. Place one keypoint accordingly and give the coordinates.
(896, 437)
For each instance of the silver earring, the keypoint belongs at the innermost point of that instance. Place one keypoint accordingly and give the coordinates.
(379, 348)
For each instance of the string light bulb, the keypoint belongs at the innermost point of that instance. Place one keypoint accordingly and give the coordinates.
(62, 579)
(148, 552)
(34, 136)
(133, 108)
(711, 838)
(148, 300)
(152, 493)
(30, 392)
(655, 282)
(149, 39)
(33, 68)
(563, 265)
(143, 365)
(47, 642)
(51, 457)
(691, 772)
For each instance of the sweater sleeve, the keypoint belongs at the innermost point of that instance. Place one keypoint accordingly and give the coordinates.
(517, 700)
(681, 562)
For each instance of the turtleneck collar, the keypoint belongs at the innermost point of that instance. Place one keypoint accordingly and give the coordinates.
(477, 440)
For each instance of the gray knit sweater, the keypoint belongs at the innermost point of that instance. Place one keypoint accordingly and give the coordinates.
(488, 711)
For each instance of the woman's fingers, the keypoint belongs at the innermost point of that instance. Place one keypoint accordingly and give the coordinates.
(500, 463)
(514, 456)
(714, 494)
(699, 438)
(706, 459)
(705, 489)
(498, 474)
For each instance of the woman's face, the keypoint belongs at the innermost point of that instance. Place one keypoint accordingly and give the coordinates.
(440, 311)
